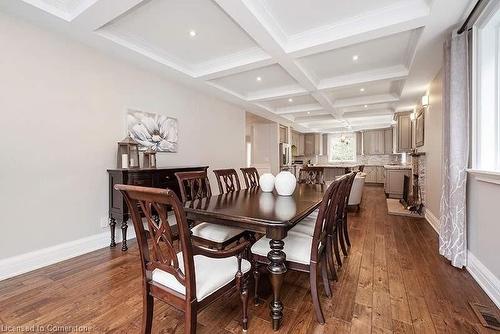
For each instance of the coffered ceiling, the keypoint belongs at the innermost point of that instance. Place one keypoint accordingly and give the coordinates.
(321, 65)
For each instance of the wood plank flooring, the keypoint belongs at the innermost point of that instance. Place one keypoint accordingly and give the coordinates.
(393, 281)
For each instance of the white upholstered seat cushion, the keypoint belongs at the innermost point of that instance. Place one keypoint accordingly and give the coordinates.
(215, 233)
(305, 226)
(297, 247)
(211, 274)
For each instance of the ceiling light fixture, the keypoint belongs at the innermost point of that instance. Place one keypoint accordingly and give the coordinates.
(366, 106)
(355, 58)
(309, 113)
(192, 33)
(259, 79)
(290, 100)
(361, 90)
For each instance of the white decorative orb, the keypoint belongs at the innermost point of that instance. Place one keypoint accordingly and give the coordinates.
(285, 183)
(266, 182)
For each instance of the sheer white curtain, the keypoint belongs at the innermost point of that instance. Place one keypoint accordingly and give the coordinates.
(452, 236)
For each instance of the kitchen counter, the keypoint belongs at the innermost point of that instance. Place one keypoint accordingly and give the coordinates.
(339, 166)
(397, 167)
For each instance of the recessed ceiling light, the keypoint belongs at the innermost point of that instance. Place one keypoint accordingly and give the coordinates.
(355, 58)
(366, 106)
(192, 33)
(309, 113)
(290, 100)
(361, 90)
(259, 79)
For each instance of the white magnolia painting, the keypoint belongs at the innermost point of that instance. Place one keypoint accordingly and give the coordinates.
(149, 130)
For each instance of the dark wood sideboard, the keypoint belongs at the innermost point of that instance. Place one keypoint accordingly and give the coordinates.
(146, 177)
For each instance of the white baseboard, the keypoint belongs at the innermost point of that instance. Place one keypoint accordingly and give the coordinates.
(485, 278)
(24, 263)
(433, 220)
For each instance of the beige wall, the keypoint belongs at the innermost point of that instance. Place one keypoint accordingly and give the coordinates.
(433, 143)
(62, 111)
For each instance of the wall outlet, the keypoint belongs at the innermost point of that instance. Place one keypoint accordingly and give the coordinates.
(104, 222)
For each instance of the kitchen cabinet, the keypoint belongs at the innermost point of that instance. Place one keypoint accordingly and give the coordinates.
(375, 174)
(298, 142)
(313, 144)
(388, 144)
(404, 132)
(377, 142)
(359, 143)
(283, 134)
(394, 182)
(373, 142)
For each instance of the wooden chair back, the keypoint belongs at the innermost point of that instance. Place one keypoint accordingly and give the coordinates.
(361, 168)
(193, 185)
(227, 180)
(346, 191)
(326, 214)
(251, 176)
(158, 251)
(312, 175)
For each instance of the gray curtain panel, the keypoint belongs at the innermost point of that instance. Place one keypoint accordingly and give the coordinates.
(452, 236)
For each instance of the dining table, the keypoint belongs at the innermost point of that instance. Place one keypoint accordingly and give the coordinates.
(261, 212)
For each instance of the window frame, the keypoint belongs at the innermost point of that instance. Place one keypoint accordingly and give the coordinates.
(331, 137)
(483, 104)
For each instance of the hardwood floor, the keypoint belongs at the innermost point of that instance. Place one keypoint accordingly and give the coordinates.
(393, 281)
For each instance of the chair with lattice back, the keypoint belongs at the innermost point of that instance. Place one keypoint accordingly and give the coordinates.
(190, 279)
(251, 176)
(195, 186)
(227, 180)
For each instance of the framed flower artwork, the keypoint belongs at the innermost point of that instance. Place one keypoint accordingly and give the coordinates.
(153, 131)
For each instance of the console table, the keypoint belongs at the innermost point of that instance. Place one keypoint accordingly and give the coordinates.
(146, 177)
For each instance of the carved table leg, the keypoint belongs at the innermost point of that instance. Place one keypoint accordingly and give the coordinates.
(112, 225)
(277, 270)
(124, 234)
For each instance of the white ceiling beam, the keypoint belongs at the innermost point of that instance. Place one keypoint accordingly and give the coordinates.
(104, 12)
(356, 101)
(298, 109)
(367, 113)
(244, 14)
(402, 16)
(388, 73)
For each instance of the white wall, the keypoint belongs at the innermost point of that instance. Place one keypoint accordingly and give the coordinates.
(62, 112)
(433, 142)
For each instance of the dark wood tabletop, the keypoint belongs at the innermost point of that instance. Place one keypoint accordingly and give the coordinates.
(258, 211)
(262, 212)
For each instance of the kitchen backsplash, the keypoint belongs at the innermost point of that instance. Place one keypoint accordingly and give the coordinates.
(378, 160)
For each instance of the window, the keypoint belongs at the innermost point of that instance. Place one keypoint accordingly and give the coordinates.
(485, 90)
(342, 147)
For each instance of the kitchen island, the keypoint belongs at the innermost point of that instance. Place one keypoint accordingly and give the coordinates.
(332, 171)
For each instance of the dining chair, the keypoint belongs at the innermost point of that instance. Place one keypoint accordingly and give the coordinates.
(305, 253)
(306, 227)
(188, 280)
(361, 168)
(193, 186)
(342, 214)
(312, 175)
(227, 180)
(251, 176)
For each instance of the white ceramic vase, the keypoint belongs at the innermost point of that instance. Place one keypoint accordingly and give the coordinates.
(266, 182)
(285, 183)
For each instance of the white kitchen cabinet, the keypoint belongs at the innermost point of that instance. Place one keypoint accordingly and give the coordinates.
(298, 142)
(394, 182)
(375, 174)
(377, 142)
(359, 143)
(388, 144)
(371, 174)
(313, 144)
(380, 174)
(404, 132)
